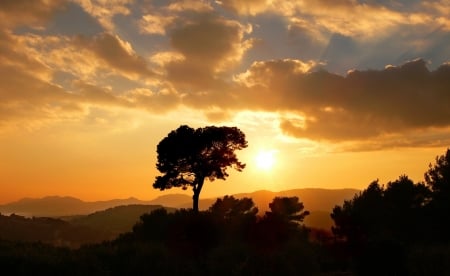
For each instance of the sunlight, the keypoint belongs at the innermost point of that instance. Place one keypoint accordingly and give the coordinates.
(265, 159)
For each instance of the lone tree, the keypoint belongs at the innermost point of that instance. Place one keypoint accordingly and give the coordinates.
(187, 156)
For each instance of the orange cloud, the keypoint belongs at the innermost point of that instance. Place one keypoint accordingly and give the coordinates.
(30, 13)
(210, 46)
(250, 7)
(116, 53)
(155, 24)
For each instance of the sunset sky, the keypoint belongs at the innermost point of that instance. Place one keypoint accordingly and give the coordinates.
(338, 93)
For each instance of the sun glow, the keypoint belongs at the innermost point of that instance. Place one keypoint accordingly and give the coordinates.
(265, 159)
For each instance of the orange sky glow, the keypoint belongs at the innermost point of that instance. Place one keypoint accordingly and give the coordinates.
(340, 93)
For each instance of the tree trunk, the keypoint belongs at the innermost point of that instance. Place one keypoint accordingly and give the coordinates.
(195, 201)
(196, 195)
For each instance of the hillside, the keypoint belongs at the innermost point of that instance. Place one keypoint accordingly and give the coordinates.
(115, 220)
(49, 230)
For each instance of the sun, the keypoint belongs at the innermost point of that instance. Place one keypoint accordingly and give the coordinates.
(265, 159)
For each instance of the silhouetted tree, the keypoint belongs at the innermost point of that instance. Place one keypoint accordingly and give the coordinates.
(438, 179)
(230, 207)
(404, 204)
(280, 224)
(288, 208)
(354, 218)
(187, 156)
(153, 225)
(385, 221)
(235, 217)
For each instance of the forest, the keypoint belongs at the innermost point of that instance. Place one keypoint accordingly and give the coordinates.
(397, 228)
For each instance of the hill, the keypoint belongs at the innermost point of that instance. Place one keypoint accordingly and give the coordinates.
(172, 200)
(116, 220)
(48, 230)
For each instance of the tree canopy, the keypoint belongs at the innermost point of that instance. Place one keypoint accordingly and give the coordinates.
(438, 176)
(187, 156)
(379, 213)
(289, 208)
(230, 207)
(438, 180)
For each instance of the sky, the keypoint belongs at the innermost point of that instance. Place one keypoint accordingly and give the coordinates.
(337, 93)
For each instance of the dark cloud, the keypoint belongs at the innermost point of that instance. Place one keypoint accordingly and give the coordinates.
(363, 104)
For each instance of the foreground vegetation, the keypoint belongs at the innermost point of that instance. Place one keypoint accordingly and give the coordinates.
(395, 229)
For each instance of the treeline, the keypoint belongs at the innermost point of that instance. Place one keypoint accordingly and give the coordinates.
(399, 228)
(229, 238)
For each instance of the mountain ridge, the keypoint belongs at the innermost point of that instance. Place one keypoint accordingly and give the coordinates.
(314, 199)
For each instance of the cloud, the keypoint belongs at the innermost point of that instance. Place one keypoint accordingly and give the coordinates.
(31, 94)
(198, 55)
(89, 58)
(365, 20)
(430, 137)
(29, 13)
(440, 11)
(155, 23)
(210, 45)
(93, 94)
(362, 105)
(28, 101)
(157, 19)
(189, 5)
(29, 97)
(105, 10)
(116, 53)
(250, 7)
(26, 90)
(347, 18)
(15, 53)
(155, 102)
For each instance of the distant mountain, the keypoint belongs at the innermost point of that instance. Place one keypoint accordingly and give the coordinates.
(171, 200)
(56, 206)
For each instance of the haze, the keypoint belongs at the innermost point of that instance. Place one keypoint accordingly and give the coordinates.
(343, 92)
